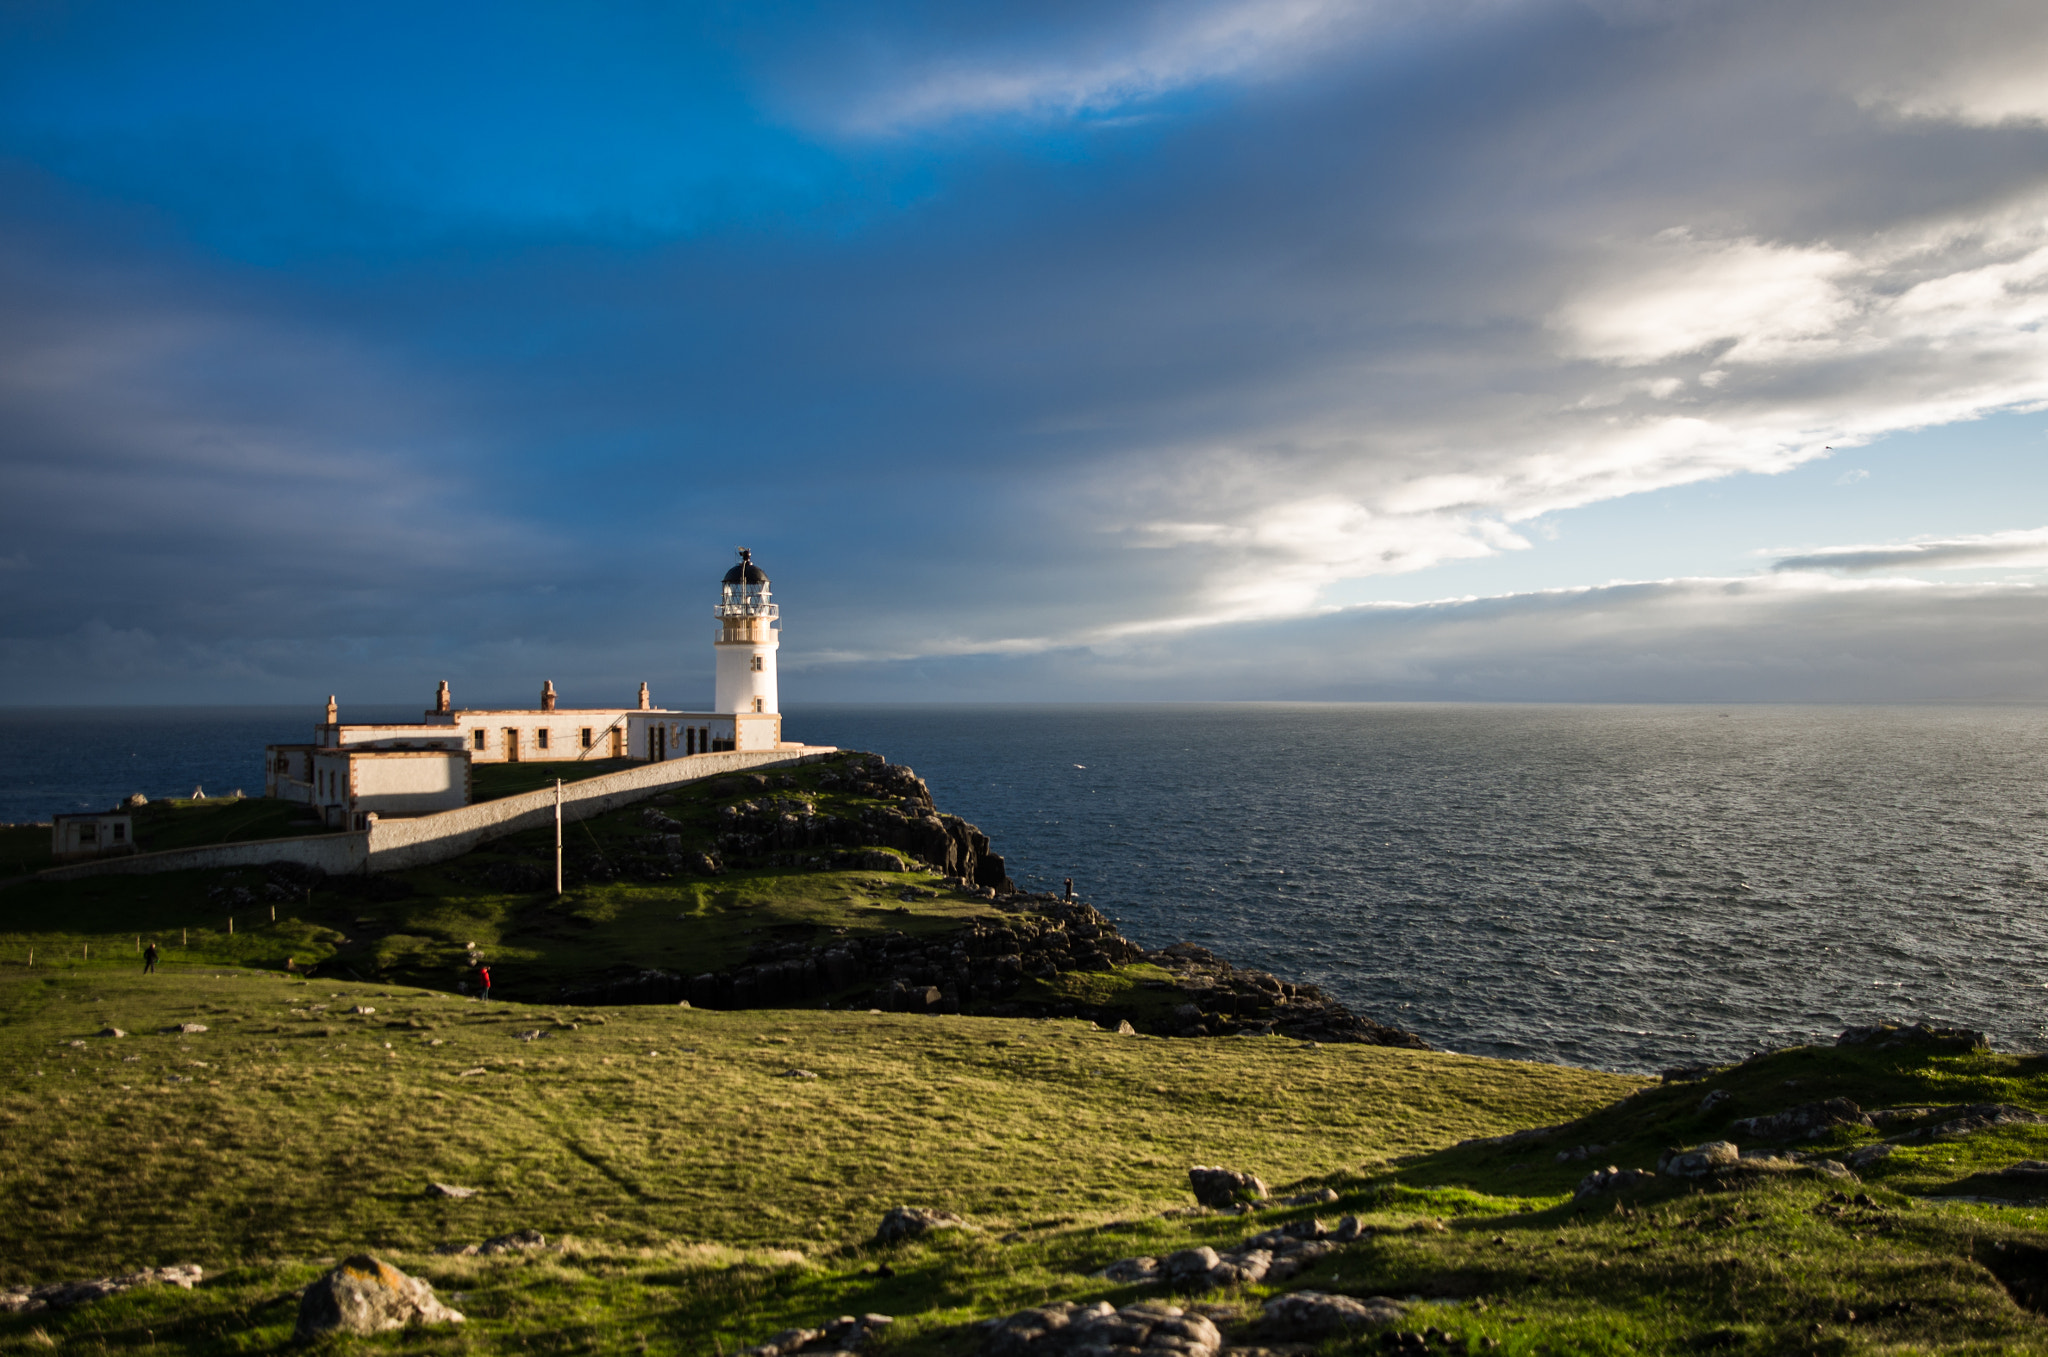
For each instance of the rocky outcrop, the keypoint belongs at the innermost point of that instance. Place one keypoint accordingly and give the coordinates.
(914, 1222)
(1920, 1036)
(64, 1295)
(1063, 1328)
(1225, 1000)
(1272, 1256)
(1221, 1188)
(366, 1295)
(1803, 1122)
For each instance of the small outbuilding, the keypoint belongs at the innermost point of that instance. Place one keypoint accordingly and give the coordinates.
(85, 836)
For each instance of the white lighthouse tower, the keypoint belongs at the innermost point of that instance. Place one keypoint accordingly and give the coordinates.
(747, 638)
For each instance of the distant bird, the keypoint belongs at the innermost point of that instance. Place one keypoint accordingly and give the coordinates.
(1080, 765)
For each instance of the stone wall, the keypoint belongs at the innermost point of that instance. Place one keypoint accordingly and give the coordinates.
(395, 844)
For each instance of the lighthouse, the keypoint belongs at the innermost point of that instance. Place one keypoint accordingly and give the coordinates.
(746, 641)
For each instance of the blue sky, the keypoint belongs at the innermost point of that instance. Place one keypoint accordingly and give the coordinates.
(1268, 349)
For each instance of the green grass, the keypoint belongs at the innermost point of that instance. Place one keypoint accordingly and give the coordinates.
(668, 1144)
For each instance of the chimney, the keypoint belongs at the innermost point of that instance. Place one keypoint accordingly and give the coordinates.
(333, 711)
(646, 703)
(547, 695)
(441, 699)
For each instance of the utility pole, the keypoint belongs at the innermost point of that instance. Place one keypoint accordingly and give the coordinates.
(558, 836)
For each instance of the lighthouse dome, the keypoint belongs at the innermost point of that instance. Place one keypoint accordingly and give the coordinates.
(746, 572)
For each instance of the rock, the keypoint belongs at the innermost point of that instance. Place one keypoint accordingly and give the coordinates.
(1862, 1159)
(1885, 1037)
(1611, 1179)
(449, 1190)
(1700, 1161)
(189, 1029)
(535, 1035)
(64, 1295)
(519, 1241)
(797, 1074)
(136, 801)
(1189, 1265)
(1124, 1028)
(1802, 1122)
(366, 1295)
(363, 1009)
(1063, 1328)
(1715, 1097)
(1223, 1188)
(457, 1250)
(914, 1222)
(110, 1032)
(1131, 1271)
(1315, 1314)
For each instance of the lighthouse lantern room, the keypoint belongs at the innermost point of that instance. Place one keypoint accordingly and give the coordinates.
(747, 638)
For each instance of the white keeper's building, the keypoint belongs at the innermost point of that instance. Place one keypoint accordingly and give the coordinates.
(350, 772)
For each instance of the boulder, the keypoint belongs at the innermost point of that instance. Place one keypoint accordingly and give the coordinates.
(111, 1032)
(1316, 1314)
(1700, 1161)
(366, 1295)
(1223, 1188)
(1886, 1037)
(189, 1029)
(449, 1190)
(914, 1222)
(1124, 1028)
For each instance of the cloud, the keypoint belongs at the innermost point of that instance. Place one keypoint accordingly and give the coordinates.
(1097, 67)
(1785, 638)
(2022, 547)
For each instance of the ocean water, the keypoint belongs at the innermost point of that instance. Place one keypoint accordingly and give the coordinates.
(1620, 887)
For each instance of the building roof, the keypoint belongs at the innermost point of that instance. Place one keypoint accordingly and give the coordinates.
(746, 572)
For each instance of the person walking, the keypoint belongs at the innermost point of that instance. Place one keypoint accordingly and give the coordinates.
(483, 975)
(149, 958)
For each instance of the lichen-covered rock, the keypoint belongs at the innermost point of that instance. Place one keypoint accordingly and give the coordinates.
(1065, 1328)
(1223, 1188)
(1700, 1161)
(913, 1222)
(366, 1295)
(1316, 1314)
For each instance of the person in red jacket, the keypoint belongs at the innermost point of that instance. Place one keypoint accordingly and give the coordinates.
(483, 975)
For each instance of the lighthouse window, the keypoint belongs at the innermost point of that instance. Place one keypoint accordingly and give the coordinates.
(757, 664)
(760, 704)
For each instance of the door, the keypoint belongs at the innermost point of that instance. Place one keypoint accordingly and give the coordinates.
(618, 743)
(511, 744)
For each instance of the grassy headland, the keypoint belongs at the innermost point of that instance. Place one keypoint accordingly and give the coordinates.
(708, 1178)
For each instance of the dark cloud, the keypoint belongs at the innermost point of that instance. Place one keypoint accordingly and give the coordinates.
(997, 333)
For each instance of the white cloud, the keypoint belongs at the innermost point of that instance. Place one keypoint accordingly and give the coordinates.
(1167, 48)
(2021, 547)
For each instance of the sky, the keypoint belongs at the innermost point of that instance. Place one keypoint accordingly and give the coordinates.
(1610, 350)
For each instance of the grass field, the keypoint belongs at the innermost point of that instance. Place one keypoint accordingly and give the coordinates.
(703, 1197)
(706, 1179)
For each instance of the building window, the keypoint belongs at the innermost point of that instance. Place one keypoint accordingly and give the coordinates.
(757, 664)
(477, 739)
(120, 833)
(586, 737)
(540, 738)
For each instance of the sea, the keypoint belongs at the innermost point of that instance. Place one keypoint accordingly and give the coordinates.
(1618, 887)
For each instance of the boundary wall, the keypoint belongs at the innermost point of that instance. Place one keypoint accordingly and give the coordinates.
(414, 841)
